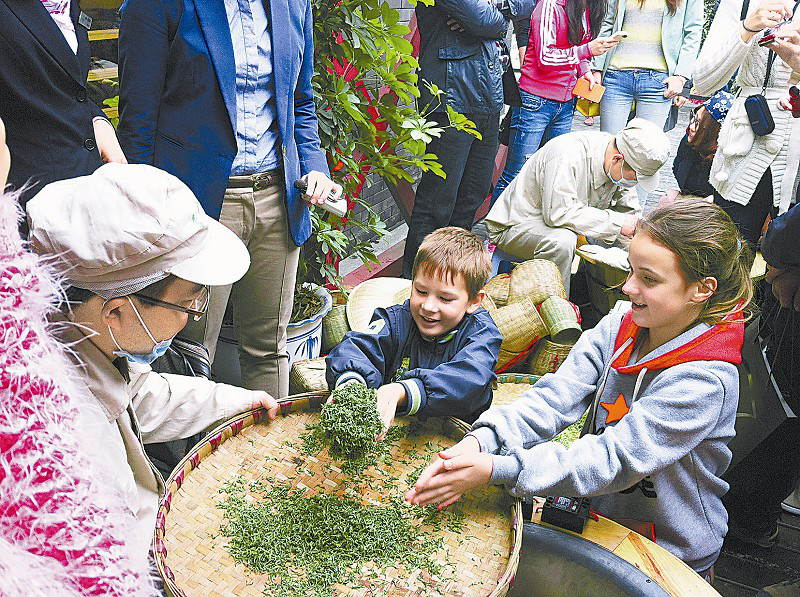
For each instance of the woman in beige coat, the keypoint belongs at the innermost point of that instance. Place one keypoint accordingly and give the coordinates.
(752, 175)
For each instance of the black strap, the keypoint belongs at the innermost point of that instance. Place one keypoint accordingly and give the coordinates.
(745, 6)
(770, 61)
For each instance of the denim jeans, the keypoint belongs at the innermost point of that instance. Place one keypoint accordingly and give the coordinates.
(533, 124)
(468, 163)
(623, 87)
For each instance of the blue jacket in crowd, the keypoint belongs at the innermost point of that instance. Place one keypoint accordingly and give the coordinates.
(448, 377)
(177, 96)
(465, 65)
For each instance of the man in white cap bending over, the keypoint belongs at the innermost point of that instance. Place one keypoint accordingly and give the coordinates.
(578, 183)
(138, 254)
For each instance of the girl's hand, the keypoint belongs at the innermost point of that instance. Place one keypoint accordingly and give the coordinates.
(768, 14)
(265, 401)
(107, 143)
(679, 101)
(787, 45)
(468, 446)
(600, 45)
(457, 475)
(593, 78)
(674, 86)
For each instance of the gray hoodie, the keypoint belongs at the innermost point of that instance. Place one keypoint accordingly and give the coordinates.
(661, 425)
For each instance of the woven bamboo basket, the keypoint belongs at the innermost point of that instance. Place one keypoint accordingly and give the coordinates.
(561, 318)
(535, 279)
(520, 325)
(548, 356)
(510, 386)
(488, 304)
(308, 376)
(497, 289)
(334, 327)
(479, 560)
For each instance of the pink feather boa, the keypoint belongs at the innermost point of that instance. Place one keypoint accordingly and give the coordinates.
(62, 528)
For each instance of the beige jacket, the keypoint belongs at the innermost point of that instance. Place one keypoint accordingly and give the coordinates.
(564, 185)
(152, 407)
(742, 158)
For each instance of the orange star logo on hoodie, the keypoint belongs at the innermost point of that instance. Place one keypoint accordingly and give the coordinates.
(616, 410)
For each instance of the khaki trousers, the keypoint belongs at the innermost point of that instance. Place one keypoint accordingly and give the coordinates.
(533, 239)
(262, 299)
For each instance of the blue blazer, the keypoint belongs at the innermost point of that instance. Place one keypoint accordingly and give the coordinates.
(177, 95)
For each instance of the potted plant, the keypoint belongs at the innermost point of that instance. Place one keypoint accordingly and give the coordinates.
(312, 302)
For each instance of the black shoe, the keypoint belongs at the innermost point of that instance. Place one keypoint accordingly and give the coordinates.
(764, 537)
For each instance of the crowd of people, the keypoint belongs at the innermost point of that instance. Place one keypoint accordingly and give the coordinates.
(190, 204)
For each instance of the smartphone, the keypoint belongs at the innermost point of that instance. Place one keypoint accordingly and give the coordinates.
(619, 35)
(770, 34)
(335, 206)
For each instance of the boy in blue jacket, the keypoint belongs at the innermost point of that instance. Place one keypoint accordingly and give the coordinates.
(435, 354)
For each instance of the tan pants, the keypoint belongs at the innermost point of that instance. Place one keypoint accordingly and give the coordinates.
(533, 239)
(262, 299)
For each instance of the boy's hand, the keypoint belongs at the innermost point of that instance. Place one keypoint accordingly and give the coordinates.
(442, 470)
(390, 397)
(264, 400)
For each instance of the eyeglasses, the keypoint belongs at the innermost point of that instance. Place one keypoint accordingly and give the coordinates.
(197, 310)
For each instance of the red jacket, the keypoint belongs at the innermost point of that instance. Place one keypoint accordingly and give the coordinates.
(552, 65)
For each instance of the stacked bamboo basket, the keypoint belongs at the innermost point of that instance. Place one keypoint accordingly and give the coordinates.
(539, 325)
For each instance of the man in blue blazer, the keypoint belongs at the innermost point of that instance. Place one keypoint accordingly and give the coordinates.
(218, 93)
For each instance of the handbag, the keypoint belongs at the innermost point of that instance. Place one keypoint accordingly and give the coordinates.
(587, 108)
(184, 357)
(758, 112)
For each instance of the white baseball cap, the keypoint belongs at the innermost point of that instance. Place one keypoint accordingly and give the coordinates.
(127, 226)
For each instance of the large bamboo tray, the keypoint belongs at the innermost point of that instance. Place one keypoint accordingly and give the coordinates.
(190, 553)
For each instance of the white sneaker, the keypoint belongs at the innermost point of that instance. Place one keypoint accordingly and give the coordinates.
(791, 504)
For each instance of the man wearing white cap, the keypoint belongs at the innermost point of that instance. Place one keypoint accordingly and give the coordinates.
(138, 254)
(578, 183)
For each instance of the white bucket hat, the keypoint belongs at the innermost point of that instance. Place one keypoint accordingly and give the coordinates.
(126, 226)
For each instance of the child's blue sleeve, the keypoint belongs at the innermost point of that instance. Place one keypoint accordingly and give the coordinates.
(462, 386)
(362, 356)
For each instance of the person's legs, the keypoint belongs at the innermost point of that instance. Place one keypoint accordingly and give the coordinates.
(262, 299)
(750, 218)
(528, 125)
(533, 239)
(476, 179)
(617, 100)
(649, 95)
(238, 218)
(561, 123)
(436, 196)
(651, 105)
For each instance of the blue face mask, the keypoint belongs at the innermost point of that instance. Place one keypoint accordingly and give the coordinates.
(159, 348)
(623, 182)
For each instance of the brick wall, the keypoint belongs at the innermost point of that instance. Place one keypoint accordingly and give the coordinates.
(375, 192)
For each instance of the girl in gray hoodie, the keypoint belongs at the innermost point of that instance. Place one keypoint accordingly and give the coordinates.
(658, 376)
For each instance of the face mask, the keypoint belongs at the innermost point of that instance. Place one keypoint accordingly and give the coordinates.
(159, 348)
(623, 182)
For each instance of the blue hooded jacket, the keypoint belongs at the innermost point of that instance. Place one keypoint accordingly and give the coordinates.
(450, 376)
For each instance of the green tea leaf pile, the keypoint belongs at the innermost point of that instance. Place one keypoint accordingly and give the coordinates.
(348, 426)
(312, 542)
